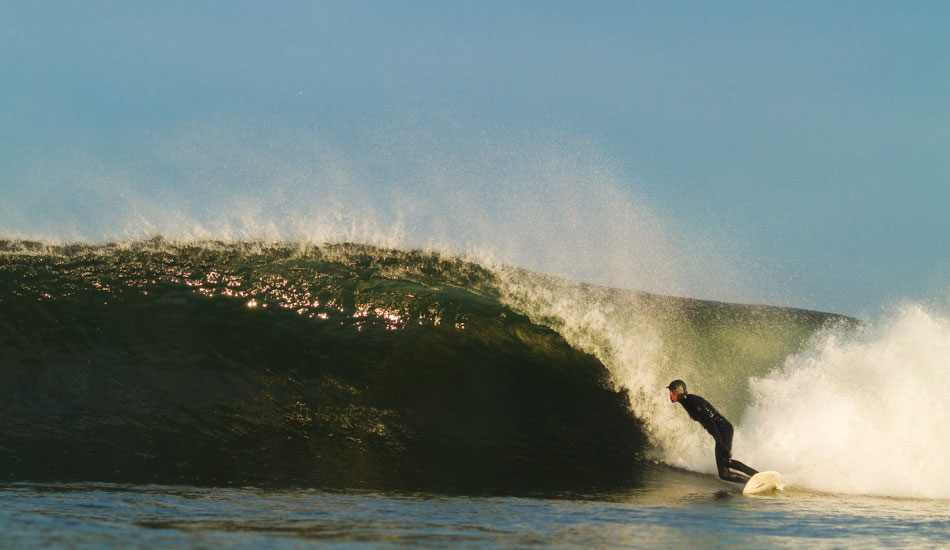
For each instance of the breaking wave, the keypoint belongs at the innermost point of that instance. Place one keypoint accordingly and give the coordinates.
(357, 366)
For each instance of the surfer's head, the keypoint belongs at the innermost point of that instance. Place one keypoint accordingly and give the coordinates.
(677, 390)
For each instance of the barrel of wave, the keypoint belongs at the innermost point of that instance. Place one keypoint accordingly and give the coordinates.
(646, 340)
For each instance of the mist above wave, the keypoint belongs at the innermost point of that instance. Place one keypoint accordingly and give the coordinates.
(526, 197)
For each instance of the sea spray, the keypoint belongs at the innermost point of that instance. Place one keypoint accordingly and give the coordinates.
(862, 410)
(530, 198)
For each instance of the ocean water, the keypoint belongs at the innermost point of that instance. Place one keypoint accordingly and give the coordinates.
(250, 394)
(666, 509)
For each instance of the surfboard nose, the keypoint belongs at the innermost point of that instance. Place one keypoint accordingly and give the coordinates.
(761, 482)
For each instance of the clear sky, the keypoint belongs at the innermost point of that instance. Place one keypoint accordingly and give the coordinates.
(800, 150)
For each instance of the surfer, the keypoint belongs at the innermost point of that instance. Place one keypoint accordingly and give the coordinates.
(716, 424)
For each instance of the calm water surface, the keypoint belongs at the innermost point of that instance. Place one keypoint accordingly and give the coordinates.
(670, 509)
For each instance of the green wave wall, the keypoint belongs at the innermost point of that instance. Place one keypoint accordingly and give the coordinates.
(245, 363)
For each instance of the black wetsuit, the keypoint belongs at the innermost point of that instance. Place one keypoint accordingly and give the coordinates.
(701, 411)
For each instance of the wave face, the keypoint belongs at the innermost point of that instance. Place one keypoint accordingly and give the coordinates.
(340, 365)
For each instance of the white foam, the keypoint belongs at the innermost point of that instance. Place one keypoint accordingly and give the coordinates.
(862, 411)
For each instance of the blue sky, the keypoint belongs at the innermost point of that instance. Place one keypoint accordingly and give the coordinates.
(804, 145)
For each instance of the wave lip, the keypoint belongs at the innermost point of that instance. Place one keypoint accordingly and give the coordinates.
(244, 363)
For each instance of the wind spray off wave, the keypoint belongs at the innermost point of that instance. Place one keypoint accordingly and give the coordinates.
(541, 202)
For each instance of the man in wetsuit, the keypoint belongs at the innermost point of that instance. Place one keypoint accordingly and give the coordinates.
(709, 418)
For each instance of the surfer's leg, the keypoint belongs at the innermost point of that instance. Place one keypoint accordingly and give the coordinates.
(726, 432)
(724, 461)
(722, 464)
(736, 465)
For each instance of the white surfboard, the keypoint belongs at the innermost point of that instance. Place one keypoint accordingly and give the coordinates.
(763, 481)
